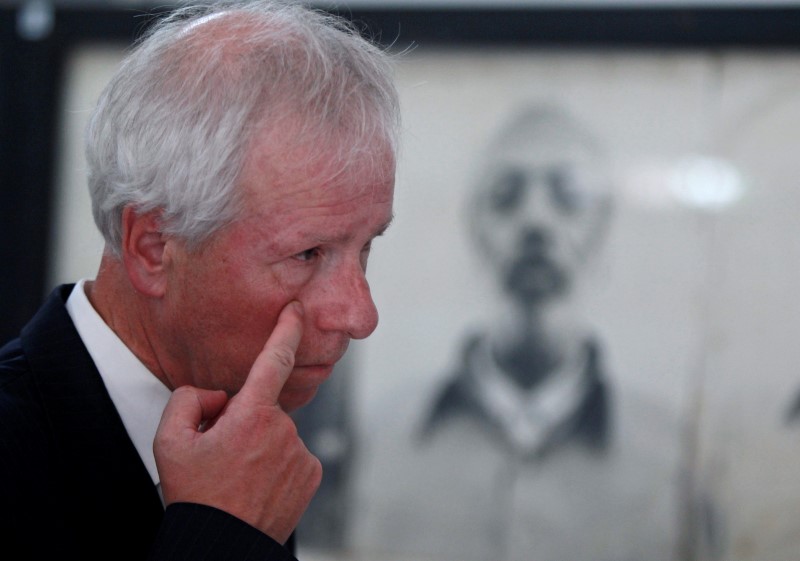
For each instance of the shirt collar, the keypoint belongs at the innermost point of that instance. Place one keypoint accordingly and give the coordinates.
(138, 395)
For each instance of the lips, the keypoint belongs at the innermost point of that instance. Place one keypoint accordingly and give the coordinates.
(308, 376)
(535, 277)
(302, 385)
(311, 371)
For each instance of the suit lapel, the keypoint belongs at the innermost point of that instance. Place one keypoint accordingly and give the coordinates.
(100, 466)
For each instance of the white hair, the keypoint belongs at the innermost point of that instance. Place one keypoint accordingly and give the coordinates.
(172, 128)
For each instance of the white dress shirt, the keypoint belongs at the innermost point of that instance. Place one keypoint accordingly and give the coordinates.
(137, 394)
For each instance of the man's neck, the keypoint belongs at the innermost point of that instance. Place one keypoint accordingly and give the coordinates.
(125, 312)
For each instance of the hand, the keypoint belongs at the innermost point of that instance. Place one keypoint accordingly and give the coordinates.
(246, 458)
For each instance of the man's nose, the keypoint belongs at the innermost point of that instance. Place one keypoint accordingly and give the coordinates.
(534, 240)
(537, 207)
(349, 306)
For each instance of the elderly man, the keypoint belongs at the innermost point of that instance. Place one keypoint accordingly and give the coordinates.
(529, 448)
(538, 214)
(241, 163)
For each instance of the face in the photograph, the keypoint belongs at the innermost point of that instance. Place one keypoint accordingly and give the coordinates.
(539, 206)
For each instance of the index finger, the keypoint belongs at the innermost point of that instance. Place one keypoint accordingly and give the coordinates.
(275, 362)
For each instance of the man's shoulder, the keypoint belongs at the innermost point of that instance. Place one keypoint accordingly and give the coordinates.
(49, 320)
(19, 391)
(23, 420)
(15, 374)
(12, 361)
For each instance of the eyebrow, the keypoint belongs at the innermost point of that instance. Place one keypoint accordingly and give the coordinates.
(382, 230)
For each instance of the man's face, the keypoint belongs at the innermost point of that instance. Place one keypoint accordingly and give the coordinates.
(301, 238)
(537, 213)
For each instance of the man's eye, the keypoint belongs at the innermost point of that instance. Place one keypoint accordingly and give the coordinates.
(365, 255)
(506, 191)
(306, 255)
(570, 190)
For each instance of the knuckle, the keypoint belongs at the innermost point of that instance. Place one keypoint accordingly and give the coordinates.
(184, 395)
(283, 356)
(182, 391)
(164, 440)
(315, 476)
(285, 424)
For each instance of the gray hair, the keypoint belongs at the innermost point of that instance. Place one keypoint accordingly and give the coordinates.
(172, 129)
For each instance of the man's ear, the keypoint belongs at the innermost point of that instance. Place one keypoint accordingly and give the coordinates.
(143, 254)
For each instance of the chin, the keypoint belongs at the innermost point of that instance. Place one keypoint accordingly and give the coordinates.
(292, 400)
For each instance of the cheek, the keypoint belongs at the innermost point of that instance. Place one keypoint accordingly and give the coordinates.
(500, 238)
(236, 310)
(578, 236)
(251, 311)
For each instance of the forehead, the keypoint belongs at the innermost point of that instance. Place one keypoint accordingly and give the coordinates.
(542, 135)
(539, 151)
(530, 156)
(278, 176)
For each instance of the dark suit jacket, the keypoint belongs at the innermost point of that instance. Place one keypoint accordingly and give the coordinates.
(72, 485)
